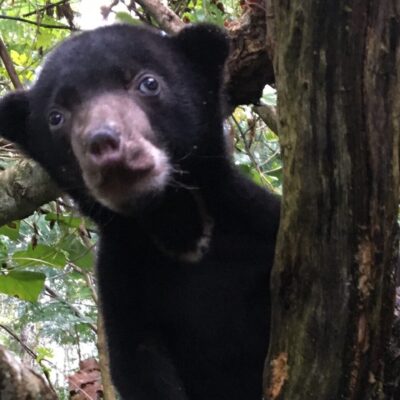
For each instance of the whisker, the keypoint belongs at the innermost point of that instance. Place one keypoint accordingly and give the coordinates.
(185, 156)
(177, 184)
(176, 169)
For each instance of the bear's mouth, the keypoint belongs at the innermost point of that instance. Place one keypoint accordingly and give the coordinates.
(119, 185)
(118, 176)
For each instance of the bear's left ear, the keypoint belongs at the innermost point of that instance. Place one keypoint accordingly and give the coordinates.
(14, 112)
(206, 45)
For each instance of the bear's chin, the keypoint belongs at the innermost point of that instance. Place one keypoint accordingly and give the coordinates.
(127, 197)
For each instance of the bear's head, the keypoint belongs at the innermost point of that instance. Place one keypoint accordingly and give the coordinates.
(122, 112)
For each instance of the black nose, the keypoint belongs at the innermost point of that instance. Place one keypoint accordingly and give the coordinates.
(103, 140)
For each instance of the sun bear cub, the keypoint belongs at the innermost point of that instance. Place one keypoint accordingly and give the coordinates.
(128, 122)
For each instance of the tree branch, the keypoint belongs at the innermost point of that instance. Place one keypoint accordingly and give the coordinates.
(24, 188)
(18, 382)
(269, 116)
(166, 18)
(45, 8)
(87, 276)
(19, 340)
(38, 24)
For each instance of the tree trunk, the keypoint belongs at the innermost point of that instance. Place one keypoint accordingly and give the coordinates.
(104, 361)
(337, 66)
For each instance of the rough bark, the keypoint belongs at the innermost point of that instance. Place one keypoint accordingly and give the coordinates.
(392, 359)
(21, 383)
(249, 67)
(337, 66)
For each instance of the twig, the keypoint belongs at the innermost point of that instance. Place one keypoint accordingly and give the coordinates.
(40, 25)
(46, 7)
(143, 17)
(56, 296)
(88, 279)
(5, 57)
(20, 341)
(106, 10)
(250, 153)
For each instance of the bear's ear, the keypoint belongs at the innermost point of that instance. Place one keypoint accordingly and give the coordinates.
(206, 45)
(14, 112)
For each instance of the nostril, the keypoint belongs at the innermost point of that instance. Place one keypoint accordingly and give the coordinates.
(102, 141)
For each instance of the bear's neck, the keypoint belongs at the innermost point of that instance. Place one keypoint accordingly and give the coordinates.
(182, 222)
(181, 227)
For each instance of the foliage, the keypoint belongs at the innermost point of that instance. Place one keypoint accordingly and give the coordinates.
(45, 260)
(46, 273)
(28, 43)
(257, 148)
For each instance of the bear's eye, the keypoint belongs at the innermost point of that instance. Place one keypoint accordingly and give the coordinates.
(149, 86)
(55, 119)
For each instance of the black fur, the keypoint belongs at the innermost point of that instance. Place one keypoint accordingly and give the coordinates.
(177, 328)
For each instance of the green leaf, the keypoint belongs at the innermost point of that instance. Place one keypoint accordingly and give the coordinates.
(78, 254)
(40, 255)
(85, 261)
(18, 59)
(26, 285)
(43, 352)
(3, 251)
(277, 173)
(68, 220)
(245, 168)
(44, 38)
(11, 230)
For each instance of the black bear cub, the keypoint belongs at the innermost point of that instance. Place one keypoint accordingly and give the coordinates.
(128, 122)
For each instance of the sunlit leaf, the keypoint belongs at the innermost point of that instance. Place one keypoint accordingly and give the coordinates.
(18, 59)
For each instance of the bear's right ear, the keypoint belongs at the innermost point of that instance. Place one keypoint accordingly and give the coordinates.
(206, 45)
(14, 112)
